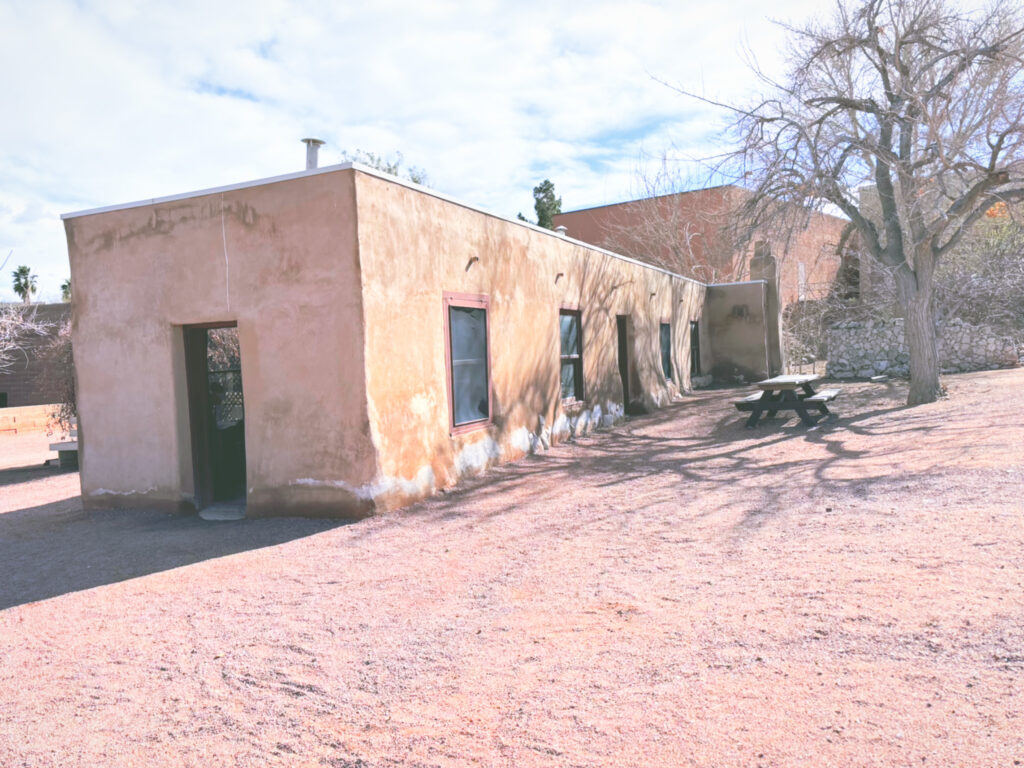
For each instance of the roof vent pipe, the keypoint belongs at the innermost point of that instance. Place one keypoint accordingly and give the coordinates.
(312, 149)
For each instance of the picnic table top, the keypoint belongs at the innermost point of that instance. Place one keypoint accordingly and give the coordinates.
(789, 381)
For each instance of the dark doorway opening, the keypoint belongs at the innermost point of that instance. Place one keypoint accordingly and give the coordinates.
(621, 326)
(216, 414)
(694, 348)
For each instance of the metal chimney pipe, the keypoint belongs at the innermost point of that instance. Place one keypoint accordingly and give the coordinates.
(312, 149)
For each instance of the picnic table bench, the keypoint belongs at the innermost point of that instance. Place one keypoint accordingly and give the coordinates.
(780, 393)
(67, 450)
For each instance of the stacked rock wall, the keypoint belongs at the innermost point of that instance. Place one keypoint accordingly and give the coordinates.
(874, 347)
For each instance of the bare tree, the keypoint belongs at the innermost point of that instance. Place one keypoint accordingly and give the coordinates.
(17, 326)
(679, 226)
(921, 101)
(57, 376)
(387, 165)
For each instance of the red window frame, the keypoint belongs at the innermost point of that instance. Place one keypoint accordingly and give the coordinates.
(472, 301)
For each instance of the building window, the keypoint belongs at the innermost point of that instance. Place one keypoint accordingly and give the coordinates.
(571, 354)
(666, 350)
(694, 348)
(469, 375)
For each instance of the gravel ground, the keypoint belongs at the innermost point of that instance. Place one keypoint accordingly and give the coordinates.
(678, 591)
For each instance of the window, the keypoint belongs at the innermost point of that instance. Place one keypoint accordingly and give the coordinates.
(469, 379)
(571, 340)
(666, 350)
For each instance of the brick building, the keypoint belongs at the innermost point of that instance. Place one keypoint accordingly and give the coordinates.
(688, 233)
(26, 382)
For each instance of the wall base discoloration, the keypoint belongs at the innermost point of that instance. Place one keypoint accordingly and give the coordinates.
(307, 501)
(162, 501)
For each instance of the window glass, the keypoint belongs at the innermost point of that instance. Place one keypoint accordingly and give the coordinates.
(570, 332)
(571, 355)
(666, 350)
(470, 391)
(569, 380)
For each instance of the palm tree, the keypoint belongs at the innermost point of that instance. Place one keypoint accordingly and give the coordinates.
(24, 283)
(65, 290)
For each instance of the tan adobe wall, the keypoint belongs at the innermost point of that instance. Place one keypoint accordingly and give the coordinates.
(280, 259)
(336, 281)
(735, 318)
(415, 247)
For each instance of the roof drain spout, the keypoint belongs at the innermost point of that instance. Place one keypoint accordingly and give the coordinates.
(312, 149)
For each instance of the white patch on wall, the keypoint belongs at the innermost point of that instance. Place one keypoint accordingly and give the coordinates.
(615, 413)
(421, 485)
(422, 406)
(108, 492)
(476, 457)
(543, 435)
(523, 440)
(580, 424)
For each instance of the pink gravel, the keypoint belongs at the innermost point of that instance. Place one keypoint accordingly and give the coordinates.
(678, 591)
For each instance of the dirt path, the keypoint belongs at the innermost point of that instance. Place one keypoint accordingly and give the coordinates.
(680, 591)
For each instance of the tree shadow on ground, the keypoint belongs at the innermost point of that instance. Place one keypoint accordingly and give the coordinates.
(701, 444)
(56, 548)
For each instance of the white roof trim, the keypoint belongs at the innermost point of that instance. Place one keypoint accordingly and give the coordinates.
(210, 191)
(381, 175)
(736, 282)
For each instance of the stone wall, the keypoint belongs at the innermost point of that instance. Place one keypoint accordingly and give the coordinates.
(874, 347)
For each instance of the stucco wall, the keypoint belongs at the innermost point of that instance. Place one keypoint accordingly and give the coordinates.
(415, 247)
(735, 316)
(336, 281)
(280, 259)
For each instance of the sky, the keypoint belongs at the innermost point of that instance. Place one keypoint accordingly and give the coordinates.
(111, 102)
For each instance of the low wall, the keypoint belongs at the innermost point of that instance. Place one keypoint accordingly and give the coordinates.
(27, 418)
(874, 347)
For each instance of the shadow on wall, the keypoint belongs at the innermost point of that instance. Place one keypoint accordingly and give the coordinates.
(529, 414)
(56, 548)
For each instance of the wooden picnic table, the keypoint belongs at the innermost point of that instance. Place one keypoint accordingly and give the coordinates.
(790, 392)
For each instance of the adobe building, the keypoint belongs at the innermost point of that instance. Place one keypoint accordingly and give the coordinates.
(387, 340)
(687, 233)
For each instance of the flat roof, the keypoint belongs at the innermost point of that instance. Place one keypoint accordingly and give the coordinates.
(652, 197)
(381, 175)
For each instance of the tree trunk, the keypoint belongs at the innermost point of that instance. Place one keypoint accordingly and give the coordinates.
(919, 328)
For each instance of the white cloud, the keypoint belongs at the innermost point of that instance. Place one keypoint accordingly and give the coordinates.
(111, 102)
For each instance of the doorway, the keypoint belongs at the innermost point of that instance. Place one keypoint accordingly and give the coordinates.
(694, 349)
(216, 414)
(623, 330)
